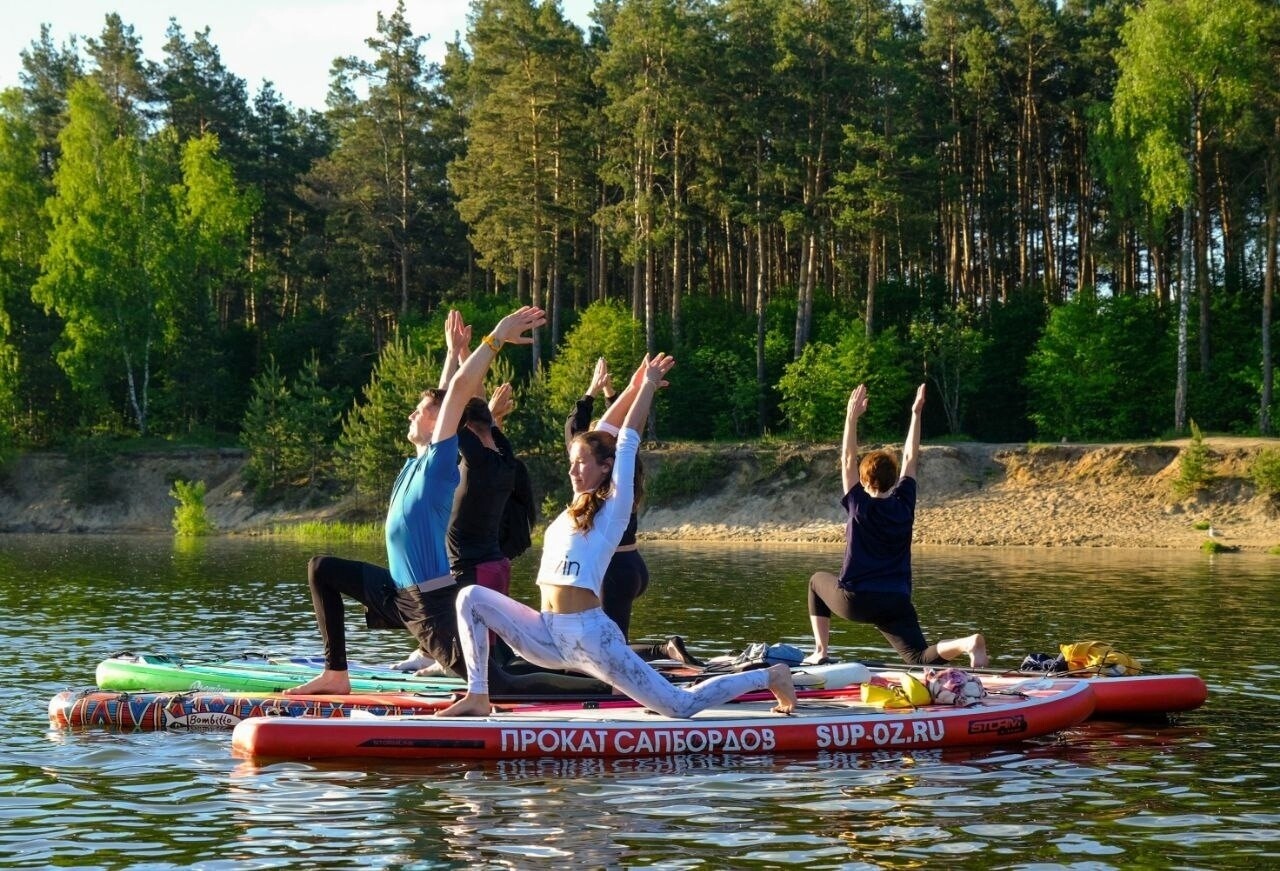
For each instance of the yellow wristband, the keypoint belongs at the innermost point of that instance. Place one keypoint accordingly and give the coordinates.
(495, 344)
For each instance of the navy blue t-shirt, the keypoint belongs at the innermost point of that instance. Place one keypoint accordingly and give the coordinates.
(877, 557)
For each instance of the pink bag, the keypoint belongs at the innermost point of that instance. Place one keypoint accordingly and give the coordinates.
(954, 686)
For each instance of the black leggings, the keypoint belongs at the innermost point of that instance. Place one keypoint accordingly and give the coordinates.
(625, 580)
(429, 617)
(891, 613)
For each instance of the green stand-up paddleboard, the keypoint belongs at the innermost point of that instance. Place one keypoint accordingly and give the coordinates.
(160, 673)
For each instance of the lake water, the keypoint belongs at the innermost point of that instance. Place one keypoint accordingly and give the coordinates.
(1203, 792)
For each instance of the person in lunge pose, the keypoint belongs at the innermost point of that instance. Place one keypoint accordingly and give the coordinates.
(627, 576)
(874, 585)
(417, 592)
(572, 630)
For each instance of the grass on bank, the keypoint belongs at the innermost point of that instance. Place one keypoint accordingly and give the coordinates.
(328, 530)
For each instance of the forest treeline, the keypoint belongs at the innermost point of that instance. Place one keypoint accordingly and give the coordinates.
(1061, 214)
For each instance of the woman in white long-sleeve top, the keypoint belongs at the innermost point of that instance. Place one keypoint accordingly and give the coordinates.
(572, 630)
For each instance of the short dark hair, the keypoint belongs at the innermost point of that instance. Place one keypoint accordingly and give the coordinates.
(477, 411)
(435, 394)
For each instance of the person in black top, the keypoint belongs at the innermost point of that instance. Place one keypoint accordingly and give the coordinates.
(627, 576)
(488, 476)
(488, 471)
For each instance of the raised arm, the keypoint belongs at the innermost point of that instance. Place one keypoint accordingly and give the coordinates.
(580, 418)
(501, 403)
(911, 450)
(469, 379)
(849, 444)
(615, 417)
(457, 339)
(648, 379)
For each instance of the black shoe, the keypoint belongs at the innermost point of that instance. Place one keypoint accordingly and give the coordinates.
(677, 651)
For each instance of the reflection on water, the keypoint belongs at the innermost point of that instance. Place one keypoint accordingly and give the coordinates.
(1200, 793)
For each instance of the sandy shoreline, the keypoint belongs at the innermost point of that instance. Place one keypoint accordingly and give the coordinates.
(970, 495)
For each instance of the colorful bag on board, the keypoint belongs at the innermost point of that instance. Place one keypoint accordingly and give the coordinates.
(906, 692)
(953, 686)
(1099, 657)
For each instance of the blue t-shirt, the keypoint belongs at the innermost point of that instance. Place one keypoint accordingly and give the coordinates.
(418, 516)
(877, 557)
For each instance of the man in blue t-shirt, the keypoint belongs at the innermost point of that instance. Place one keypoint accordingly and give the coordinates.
(874, 585)
(417, 592)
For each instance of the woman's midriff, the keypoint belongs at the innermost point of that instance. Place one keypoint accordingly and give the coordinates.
(568, 600)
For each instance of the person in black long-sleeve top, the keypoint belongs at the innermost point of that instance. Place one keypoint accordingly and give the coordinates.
(627, 576)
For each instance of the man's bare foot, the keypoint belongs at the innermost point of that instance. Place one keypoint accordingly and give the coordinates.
(976, 646)
(329, 683)
(783, 689)
(818, 657)
(470, 705)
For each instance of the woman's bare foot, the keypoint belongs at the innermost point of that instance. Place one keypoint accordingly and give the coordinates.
(470, 705)
(329, 683)
(818, 657)
(976, 647)
(783, 689)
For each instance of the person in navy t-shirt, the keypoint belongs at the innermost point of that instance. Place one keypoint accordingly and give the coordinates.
(874, 585)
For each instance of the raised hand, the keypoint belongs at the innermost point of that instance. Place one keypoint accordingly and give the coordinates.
(654, 371)
(457, 335)
(918, 405)
(512, 328)
(858, 402)
(600, 378)
(502, 402)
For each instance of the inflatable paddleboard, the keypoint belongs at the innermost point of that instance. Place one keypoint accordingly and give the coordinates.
(1117, 697)
(195, 709)
(157, 672)
(841, 725)
(210, 711)
(132, 672)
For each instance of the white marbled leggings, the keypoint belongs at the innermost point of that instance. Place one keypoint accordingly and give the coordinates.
(588, 642)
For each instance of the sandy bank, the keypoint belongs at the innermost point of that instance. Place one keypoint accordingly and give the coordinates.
(971, 494)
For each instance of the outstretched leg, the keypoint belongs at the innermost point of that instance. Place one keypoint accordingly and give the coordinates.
(479, 611)
(591, 642)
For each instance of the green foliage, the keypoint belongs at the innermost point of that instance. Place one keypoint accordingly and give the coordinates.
(815, 389)
(327, 531)
(1012, 329)
(536, 426)
(263, 431)
(372, 446)
(1201, 525)
(1211, 546)
(189, 518)
(1265, 471)
(288, 430)
(1101, 370)
(1181, 57)
(952, 350)
(686, 477)
(605, 329)
(1193, 466)
(714, 393)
